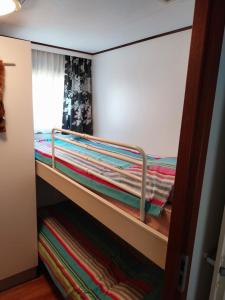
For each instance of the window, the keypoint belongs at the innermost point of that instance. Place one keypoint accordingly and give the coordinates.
(48, 90)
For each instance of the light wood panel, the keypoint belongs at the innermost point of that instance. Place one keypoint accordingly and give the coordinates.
(18, 228)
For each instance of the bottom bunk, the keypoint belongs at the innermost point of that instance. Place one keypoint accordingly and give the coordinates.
(87, 262)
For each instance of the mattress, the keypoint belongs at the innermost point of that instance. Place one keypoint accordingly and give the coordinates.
(160, 223)
(87, 262)
(160, 172)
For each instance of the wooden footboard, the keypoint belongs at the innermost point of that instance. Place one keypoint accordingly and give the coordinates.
(145, 239)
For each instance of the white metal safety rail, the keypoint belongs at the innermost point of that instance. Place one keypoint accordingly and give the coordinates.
(142, 162)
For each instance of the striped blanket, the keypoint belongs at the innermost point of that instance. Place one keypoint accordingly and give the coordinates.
(160, 172)
(86, 262)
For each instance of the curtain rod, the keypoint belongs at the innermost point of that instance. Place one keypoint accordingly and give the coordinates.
(9, 64)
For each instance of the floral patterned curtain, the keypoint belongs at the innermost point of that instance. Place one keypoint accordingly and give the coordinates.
(77, 106)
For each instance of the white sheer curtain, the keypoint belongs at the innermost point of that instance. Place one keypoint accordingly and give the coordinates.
(48, 90)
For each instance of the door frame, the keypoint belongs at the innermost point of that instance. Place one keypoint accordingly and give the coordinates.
(203, 66)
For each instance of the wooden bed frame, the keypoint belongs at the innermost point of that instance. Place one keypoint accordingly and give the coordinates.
(147, 235)
(142, 237)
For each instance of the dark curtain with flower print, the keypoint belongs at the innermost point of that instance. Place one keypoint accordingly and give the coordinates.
(77, 106)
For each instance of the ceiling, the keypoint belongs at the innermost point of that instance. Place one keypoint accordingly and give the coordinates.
(95, 25)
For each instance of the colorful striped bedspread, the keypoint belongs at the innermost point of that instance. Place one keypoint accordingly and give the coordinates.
(86, 262)
(160, 172)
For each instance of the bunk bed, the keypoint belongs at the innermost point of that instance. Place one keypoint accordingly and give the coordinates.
(118, 184)
(89, 262)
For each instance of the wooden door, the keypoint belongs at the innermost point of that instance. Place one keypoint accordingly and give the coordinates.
(207, 36)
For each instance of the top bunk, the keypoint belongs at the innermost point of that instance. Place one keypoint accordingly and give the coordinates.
(118, 184)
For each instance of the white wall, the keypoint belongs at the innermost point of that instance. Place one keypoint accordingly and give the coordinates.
(18, 239)
(138, 93)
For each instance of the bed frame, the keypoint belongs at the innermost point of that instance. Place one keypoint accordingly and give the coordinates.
(142, 237)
